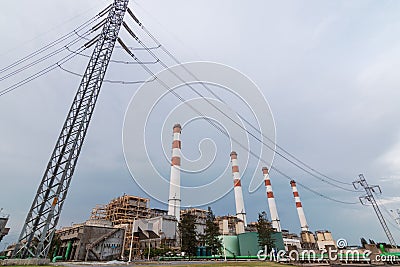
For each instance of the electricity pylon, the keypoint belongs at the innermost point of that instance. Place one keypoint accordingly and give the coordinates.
(41, 221)
(369, 197)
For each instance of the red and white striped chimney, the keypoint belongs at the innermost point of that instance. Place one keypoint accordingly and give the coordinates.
(300, 211)
(240, 211)
(271, 201)
(174, 201)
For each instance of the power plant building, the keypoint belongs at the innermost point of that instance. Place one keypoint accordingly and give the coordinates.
(93, 240)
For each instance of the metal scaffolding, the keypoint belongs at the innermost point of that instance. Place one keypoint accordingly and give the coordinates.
(125, 210)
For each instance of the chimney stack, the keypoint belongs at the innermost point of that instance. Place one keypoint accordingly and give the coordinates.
(174, 201)
(240, 211)
(300, 211)
(271, 201)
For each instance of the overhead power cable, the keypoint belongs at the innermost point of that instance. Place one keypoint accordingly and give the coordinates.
(231, 119)
(52, 44)
(380, 203)
(40, 73)
(117, 61)
(244, 119)
(106, 80)
(45, 57)
(251, 125)
(183, 100)
(140, 48)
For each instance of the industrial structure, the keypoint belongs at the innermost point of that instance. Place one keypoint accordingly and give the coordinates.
(174, 201)
(276, 224)
(41, 221)
(370, 199)
(124, 228)
(291, 240)
(123, 211)
(299, 207)
(325, 239)
(229, 225)
(3, 223)
(239, 202)
(127, 225)
(92, 240)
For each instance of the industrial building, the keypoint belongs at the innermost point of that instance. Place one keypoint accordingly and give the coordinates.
(156, 232)
(92, 240)
(3, 222)
(229, 225)
(291, 241)
(325, 240)
(121, 229)
(126, 227)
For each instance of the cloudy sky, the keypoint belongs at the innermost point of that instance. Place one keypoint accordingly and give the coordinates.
(327, 69)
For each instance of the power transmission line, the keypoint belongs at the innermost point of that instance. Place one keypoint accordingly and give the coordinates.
(227, 116)
(183, 100)
(44, 58)
(105, 80)
(117, 61)
(250, 124)
(51, 44)
(370, 191)
(39, 73)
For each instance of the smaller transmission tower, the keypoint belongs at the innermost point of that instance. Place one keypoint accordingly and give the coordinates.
(369, 198)
(397, 214)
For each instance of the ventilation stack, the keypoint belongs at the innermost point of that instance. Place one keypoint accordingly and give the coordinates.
(240, 211)
(300, 211)
(271, 201)
(174, 201)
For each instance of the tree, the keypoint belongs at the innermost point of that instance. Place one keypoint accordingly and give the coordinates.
(211, 234)
(363, 242)
(264, 229)
(188, 235)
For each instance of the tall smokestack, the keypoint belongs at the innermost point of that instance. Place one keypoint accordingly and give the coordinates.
(174, 201)
(271, 201)
(300, 211)
(240, 211)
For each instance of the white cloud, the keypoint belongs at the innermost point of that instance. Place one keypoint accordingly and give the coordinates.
(391, 159)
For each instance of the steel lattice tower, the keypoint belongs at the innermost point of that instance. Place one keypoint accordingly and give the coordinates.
(41, 221)
(369, 197)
